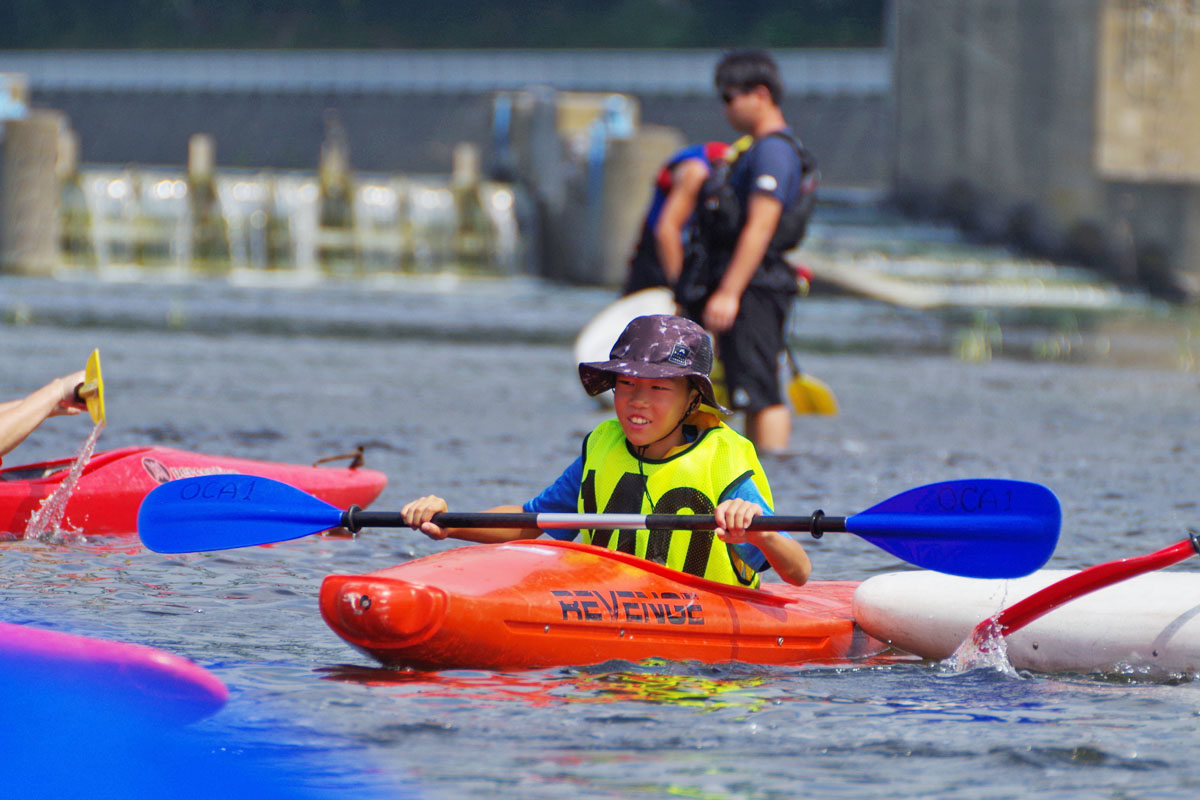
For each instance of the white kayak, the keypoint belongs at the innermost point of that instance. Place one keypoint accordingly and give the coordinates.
(598, 336)
(1148, 622)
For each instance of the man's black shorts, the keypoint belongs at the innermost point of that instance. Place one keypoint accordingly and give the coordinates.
(750, 350)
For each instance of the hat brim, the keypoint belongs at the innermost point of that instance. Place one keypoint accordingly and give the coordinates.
(600, 376)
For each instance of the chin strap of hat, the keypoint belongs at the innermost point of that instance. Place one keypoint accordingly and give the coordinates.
(641, 454)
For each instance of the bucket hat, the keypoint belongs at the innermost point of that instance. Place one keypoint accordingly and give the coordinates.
(656, 346)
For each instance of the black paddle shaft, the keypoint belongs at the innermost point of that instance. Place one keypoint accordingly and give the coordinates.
(355, 519)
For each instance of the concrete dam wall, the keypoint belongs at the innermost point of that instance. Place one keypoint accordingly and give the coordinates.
(1065, 126)
(530, 118)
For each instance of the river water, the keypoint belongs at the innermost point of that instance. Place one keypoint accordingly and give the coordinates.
(467, 388)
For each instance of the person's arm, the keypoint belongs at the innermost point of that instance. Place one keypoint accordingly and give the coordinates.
(785, 555)
(686, 180)
(419, 512)
(762, 218)
(19, 418)
(558, 497)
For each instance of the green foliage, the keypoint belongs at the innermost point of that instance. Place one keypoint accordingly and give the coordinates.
(439, 23)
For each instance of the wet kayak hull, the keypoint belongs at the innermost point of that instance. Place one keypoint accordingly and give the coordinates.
(544, 603)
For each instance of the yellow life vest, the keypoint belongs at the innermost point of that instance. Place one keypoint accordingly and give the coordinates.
(692, 480)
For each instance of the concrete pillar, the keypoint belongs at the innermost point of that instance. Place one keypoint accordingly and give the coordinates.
(629, 171)
(29, 192)
(471, 241)
(929, 97)
(337, 247)
(464, 169)
(74, 217)
(209, 240)
(538, 157)
(1188, 258)
(202, 157)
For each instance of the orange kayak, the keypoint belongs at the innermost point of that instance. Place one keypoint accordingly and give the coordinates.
(545, 603)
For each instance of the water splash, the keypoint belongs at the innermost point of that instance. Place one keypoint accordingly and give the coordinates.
(44, 524)
(985, 648)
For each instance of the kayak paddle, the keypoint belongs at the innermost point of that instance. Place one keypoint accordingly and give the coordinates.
(91, 391)
(808, 394)
(1042, 602)
(985, 528)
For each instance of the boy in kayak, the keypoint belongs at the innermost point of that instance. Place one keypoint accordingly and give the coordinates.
(19, 418)
(665, 453)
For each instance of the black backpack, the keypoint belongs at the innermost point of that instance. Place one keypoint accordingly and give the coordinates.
(719, 222)
(720, 217)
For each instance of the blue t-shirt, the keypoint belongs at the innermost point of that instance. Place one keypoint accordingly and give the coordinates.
(562, 497)
(659, 199)
(770, 167)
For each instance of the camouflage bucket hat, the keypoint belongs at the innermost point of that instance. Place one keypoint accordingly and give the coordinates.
(658, 346)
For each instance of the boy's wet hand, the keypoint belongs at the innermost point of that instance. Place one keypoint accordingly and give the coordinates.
(732, 517)
(419, 512)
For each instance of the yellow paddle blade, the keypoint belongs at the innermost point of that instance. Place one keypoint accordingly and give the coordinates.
(717, 378)
(92, 390)
(811, 395)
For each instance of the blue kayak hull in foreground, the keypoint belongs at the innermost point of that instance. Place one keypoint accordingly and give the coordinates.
(83, 672)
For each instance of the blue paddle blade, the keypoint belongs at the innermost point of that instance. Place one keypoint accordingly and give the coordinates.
(984, 528)
(219, 512)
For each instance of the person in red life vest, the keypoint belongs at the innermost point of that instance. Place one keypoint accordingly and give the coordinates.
(736, 282)
(658, 257)
(19, 418)
(666, 452)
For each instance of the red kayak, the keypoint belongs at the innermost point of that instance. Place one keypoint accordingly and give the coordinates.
(545, 603)
(113, 483)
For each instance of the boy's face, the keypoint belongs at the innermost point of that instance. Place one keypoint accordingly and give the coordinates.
(650, 410)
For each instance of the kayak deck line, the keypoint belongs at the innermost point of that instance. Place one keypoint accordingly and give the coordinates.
(669, 635)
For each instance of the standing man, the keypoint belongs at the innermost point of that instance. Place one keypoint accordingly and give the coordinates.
(738, 284)
(658, 257)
